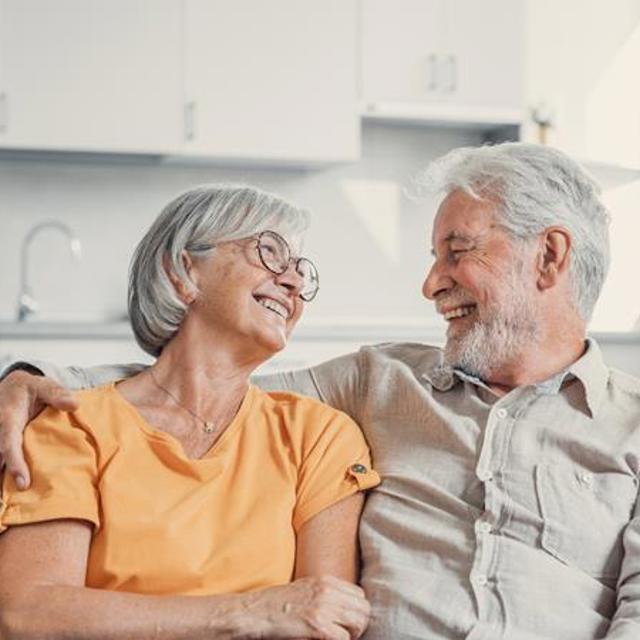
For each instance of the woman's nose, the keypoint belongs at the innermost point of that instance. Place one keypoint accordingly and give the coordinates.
(291, 279)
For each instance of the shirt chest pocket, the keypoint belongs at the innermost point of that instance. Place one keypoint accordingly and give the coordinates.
(584, 515)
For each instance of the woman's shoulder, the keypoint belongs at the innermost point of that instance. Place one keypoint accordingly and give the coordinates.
(95, 407)
(304, 417)
(297, 403)
(94, 401)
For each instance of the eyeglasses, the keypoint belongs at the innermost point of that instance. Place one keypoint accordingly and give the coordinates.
(275, 255)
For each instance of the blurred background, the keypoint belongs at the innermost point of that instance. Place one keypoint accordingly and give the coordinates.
(109, 108)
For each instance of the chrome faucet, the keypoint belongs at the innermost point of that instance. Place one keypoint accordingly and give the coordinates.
(27, 304)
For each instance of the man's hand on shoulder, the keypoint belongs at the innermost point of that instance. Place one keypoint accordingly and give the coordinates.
(22, 397)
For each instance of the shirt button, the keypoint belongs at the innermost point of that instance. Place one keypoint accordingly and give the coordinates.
(482, 580)
(485, 476)
(484, 527)
(502, 413)
(358, 468)
(587, 478)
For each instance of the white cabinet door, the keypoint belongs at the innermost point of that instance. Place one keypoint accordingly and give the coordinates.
(401, 50)
(451, 54)
(485, 53)
(91, 75)
(272, 80)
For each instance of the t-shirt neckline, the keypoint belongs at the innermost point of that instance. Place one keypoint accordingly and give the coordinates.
(214, 450)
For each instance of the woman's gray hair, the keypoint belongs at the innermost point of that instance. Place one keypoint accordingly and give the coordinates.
(194, 222)
(536, 187)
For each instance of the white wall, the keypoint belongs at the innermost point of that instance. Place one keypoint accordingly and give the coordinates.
(583, 61)
(370, 241)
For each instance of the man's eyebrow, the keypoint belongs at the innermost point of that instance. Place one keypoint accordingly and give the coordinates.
(454, 235)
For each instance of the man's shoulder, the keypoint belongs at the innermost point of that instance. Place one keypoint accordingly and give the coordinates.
(413, 354)
(625, 383)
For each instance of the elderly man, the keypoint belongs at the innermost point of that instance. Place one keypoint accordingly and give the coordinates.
(510, 459)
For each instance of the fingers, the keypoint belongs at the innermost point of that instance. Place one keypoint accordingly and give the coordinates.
(348, 588)
(354, 617)
(313, 607)
(13, 457)
(51, 393)
(336, 632)
(348, 608)
(22, 397)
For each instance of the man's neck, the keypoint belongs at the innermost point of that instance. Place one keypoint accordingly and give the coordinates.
(537, 364)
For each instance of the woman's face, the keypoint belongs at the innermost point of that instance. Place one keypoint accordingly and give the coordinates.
(243, 302)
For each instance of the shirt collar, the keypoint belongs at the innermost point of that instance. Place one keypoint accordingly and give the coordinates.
(593, 373)
(589, 369)
(443, 377)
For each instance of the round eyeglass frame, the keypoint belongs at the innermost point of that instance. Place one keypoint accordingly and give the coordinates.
(303, 295)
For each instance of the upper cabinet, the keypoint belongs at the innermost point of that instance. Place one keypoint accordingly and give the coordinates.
(246, 80)
(229, 79)
(91, 75)
(272, 80)
(458, 60)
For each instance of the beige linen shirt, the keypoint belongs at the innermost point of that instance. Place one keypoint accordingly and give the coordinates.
(510, 518)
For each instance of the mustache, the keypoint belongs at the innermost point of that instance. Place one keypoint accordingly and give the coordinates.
(455, 298)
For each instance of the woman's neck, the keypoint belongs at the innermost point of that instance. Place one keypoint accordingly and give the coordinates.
(207, 379)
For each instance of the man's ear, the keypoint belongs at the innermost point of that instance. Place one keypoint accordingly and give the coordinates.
(186, 291)
(554, 258)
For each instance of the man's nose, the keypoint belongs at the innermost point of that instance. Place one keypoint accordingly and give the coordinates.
(436, 282)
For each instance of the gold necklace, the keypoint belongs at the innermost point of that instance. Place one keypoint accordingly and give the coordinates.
(207, 427)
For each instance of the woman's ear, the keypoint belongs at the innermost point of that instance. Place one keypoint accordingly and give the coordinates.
(186, 290)
(554, 256)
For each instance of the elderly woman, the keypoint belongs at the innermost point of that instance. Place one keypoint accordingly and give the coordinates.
(184, 502)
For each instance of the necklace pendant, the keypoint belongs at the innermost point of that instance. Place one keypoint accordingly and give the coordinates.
(208, 427)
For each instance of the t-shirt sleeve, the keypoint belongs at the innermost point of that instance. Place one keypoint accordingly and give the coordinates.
(62, 456)
(337, 464)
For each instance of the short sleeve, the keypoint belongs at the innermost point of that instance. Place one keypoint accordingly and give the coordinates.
(337, 465)
(63, 459)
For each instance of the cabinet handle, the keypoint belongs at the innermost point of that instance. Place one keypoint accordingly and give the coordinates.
(453, 73)
(432, 63)
(190, 120)
(4, 112)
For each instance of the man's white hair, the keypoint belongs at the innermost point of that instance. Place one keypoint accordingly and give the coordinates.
(536, 187)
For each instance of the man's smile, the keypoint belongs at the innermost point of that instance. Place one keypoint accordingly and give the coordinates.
(458, 312)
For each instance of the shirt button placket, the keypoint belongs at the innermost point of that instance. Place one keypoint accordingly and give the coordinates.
(488, 464)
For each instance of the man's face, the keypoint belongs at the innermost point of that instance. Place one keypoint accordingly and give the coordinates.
(483, 283)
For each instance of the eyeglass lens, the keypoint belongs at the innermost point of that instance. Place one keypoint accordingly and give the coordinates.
(276, 255)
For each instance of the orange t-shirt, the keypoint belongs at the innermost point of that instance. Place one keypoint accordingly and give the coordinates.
(167, 524)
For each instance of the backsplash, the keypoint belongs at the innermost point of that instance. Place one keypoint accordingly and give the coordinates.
(369, 241)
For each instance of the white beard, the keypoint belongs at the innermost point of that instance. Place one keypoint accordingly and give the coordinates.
(507, 329)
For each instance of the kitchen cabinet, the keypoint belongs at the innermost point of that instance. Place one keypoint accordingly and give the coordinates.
(272, 80)
(263, 81)
(91, 75)
(458, 60)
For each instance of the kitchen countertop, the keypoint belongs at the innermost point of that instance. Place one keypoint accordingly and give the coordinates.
(83, 330)
(320, 329)
(416, 329)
